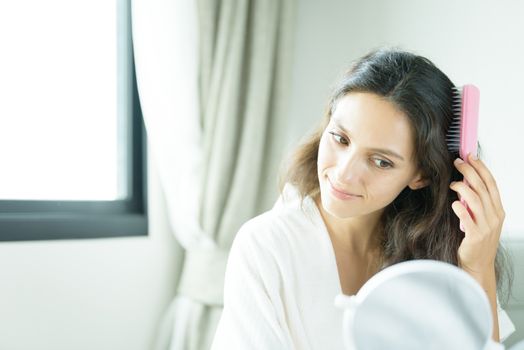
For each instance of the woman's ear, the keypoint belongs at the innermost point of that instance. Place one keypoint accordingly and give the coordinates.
(418, 182)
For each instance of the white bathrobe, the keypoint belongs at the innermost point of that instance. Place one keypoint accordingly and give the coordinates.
(281, 282)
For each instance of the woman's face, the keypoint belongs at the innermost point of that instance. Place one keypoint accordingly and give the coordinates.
(365, 156)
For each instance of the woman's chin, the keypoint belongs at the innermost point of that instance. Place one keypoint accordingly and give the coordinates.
(337, 208)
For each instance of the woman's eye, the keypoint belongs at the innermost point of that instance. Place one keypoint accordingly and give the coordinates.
(339, 138)
(382, 164)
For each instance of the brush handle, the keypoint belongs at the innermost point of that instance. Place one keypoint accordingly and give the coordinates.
(468, 128)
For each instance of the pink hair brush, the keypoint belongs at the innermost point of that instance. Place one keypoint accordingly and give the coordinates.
(462, 133)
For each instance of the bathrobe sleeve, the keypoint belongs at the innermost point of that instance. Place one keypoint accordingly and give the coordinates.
(506, 327)
(253, 316)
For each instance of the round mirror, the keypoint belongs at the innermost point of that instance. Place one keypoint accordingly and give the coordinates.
(418, 304)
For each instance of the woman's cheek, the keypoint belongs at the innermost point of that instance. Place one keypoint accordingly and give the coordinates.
(389, 190)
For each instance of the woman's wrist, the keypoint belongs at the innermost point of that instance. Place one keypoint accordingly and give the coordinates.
(485, 277)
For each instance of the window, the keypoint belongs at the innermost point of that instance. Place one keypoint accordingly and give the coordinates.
(72, 140)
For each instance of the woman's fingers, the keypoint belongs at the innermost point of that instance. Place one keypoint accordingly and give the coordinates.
(489, 181)
(481, 196)
(464, 217)
(473, 201)
(476, 182)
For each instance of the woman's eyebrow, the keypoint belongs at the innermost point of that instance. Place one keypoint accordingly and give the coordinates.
(378, 150)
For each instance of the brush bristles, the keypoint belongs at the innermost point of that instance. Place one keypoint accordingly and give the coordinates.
(453, 133)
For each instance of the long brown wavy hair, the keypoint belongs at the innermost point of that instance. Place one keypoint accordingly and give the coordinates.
(418, 224)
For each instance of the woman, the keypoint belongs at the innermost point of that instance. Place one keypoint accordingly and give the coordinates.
(374, 186)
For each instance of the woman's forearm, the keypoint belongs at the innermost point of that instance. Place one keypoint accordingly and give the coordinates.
(488, 282)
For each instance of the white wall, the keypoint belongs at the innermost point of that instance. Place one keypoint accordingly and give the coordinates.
(471, 41)
(103, 294)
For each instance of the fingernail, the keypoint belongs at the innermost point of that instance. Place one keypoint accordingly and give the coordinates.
(459, 161)
(473, 156)
(452, 183)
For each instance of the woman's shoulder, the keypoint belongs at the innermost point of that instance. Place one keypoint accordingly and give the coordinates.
(291, 218)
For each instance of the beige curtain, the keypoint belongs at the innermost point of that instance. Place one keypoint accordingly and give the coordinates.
(243, 66)
(220, 70)
(244, 56)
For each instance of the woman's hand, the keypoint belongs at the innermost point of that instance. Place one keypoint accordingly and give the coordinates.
(482, 222)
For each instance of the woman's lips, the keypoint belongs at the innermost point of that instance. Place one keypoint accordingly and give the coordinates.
(341, 194)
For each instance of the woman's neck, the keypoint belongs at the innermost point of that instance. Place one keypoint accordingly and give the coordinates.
(357, 235)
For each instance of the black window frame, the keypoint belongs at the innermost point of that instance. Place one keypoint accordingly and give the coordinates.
(30, 220)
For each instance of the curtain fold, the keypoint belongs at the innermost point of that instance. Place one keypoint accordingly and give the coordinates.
(213, 80)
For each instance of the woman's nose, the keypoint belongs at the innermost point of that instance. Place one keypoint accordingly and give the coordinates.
(350, 168)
